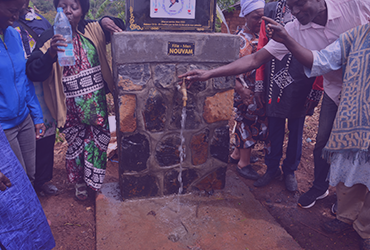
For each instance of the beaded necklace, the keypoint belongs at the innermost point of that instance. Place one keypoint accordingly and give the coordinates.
(280, 12)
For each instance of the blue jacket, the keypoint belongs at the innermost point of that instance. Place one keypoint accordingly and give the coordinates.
(17, 93)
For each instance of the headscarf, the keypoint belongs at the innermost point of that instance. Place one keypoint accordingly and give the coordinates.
(247, 6)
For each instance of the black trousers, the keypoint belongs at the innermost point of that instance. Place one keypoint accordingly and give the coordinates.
(44, 160)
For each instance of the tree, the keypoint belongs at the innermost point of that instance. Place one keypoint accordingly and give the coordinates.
(99, 8)
(43, 5)
(226, 4)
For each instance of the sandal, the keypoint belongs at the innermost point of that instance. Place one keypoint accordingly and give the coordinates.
(81, 191)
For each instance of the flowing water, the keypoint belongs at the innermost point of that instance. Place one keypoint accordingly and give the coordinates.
(181, 148)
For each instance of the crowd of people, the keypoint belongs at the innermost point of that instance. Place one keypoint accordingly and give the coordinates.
(292, 55)
(285, 83)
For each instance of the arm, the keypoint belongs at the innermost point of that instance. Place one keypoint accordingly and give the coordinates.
(34, 107)
(242, 65)
(40, 65)
(111, 25)
(279, 34)
(260, 73)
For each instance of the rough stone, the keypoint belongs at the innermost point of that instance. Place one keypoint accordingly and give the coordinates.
(134, 153)
(165, 76)
(199, 148)
(213, 181)
(192, 118)
(227, 82)
(127, 85)
(138, 186)
(127, 107)
(182, 68)
(167, 151)
(197, 87)
(155, 112)
(218, 107)
(171, 183)
(220, 144)
(133, 77)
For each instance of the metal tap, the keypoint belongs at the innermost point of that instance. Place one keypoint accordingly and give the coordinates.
(184, 92)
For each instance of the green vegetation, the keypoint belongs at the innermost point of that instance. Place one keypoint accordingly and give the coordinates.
(98, 9)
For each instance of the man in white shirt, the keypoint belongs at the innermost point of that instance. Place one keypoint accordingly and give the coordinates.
(318, 24)
(348, 145)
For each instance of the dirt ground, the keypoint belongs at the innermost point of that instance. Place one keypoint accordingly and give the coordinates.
(73, 222)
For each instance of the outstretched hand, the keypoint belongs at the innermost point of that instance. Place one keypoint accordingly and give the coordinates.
(275, 30)
(4, 182)
(196, 76)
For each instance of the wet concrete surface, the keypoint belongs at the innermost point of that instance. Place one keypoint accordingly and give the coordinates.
(229, 219)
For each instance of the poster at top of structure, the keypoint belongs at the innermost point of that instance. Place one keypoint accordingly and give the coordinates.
(180, 9)
(171, 15)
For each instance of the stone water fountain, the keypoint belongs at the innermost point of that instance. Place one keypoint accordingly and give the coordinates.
(146, 63)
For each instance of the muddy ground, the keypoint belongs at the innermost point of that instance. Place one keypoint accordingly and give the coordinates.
(73, 222)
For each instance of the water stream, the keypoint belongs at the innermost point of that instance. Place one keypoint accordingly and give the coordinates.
(181, 148)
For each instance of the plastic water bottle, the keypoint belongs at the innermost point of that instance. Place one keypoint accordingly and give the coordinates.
(62, 27)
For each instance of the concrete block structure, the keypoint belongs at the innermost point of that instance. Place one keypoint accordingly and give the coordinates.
(149, 104)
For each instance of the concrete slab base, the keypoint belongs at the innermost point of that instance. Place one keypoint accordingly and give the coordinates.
(229, 219)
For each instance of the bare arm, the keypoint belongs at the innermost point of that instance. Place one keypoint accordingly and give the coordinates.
(242, 65)
(279, 34)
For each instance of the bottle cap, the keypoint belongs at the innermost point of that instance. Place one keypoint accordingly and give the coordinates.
(59, 9)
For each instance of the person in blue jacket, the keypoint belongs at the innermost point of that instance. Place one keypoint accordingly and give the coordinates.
(30, 26)
(20, 112)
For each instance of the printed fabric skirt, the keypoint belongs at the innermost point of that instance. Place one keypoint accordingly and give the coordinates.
(88, 136)
(251, 123)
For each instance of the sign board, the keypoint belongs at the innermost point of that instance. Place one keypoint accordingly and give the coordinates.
(180, 49)
(171, 15)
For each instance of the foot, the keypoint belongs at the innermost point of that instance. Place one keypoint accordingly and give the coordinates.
(334, 209)
(267, 178)
(248, 172)
(233, 161)
(365, 244)
(49, 189)
(291, 182)
(335, 226)
(309, 198)
(81, 191)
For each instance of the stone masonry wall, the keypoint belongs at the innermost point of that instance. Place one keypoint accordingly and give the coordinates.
(149, 106)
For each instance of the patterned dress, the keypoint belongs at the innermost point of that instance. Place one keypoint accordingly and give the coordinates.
(87, 128)
(251, 121)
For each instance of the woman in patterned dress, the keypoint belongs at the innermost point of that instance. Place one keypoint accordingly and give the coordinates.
(251, 121)
(75, 94)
